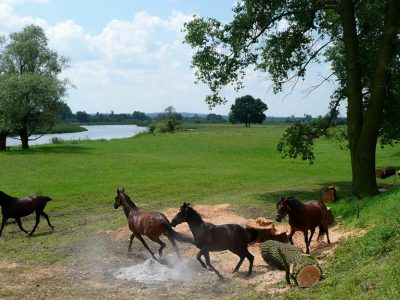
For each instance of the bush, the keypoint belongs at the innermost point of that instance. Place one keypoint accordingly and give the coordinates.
(152, 128)
(57, 140)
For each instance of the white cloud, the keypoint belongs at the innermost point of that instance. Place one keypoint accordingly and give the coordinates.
(10, 21)
(138, 64)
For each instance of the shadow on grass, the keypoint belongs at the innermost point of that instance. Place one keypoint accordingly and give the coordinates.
(71, 149)
(269, 199)
(343, 190)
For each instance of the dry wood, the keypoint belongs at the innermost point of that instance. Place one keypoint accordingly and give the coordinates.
(302, 268)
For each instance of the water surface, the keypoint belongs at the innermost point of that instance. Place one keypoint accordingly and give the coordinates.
(94, 132)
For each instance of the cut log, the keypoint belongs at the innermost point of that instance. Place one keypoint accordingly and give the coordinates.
(267, 231)
(385, 172)
(302, 268)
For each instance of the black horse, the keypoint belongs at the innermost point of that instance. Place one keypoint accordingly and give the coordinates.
(15, 208)
(209, 237)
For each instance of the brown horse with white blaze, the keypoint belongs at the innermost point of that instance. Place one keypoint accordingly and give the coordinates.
(151, 224)
(304, 217)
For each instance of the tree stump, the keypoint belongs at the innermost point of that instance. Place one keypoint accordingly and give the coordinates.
(267, 231)
(328, 194)
(303, 269)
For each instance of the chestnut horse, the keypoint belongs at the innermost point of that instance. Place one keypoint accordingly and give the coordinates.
(14, 208)
(209, 237)
(304, 217)
(151, 224)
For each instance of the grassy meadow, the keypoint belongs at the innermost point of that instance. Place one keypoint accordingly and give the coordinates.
(211, 164)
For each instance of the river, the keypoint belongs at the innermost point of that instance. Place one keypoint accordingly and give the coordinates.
(94, 132)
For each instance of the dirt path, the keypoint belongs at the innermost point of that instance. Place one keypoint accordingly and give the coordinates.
(95, 269)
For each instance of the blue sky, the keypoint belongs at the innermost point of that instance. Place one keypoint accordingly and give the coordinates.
(128, 55)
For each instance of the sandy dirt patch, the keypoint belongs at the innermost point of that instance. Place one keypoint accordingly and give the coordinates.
(102, 267)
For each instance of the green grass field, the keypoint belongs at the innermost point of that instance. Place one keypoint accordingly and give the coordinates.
(209, 165)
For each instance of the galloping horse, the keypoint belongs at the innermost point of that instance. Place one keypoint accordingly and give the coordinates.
(304, 217)
(151, 224)
(209, 237)
(14, 208)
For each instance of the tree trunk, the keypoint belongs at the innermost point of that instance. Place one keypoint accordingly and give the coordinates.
(23, 134)
(302, 268)
(363, 126)
(3, 140)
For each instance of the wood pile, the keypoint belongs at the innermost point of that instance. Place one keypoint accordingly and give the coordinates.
(303, 269)
(267, 231)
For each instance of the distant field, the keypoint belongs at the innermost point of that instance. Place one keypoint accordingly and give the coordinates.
(208, 165)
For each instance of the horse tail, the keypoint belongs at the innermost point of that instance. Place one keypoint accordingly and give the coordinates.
(252, 235)
(180, 237)
(321, 232)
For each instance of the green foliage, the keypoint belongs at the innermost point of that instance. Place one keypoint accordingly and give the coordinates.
(140, 116)
(169, 120)
(359, 39)
(30, 91)
(82, 116)
(247, 110)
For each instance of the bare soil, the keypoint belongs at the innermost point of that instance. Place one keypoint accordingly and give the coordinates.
(90, 271)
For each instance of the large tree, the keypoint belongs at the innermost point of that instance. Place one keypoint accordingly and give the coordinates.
(359, 38)
(247, 110)
(29, 80)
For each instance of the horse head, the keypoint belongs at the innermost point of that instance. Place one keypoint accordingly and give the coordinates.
(118, 198)
(181, 215)
(283, 208)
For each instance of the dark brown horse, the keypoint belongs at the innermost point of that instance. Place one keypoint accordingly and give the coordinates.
(151, 224)
(304, 217)
(15, 208)
(209, 237)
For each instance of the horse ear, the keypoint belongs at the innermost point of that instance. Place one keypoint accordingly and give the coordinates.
(117, 191)
(123, 189)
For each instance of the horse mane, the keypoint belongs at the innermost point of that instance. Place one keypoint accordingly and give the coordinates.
(293, 202)
(194, 213)
(6, 196)
(129, 201)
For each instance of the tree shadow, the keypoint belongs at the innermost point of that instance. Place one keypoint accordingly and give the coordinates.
(70, 149)
(270, 199)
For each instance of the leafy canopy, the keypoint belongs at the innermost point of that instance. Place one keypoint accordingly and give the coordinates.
(248, 110)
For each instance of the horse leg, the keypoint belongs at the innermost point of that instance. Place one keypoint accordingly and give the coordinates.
(171, 239)
(208, 262)
(326, 231)
(292, 231)
(20, 225)
(250, 257)
(145, 245)
(306, 241)
(130, 242)
(47, 219)
(239, 264)
(3, 223)
(36, 224)
(198, 256)
(162, 246)
(311, 235)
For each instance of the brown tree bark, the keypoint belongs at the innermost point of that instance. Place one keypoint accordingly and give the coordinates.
(3, 140)
(23, 134)
(363, 126)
